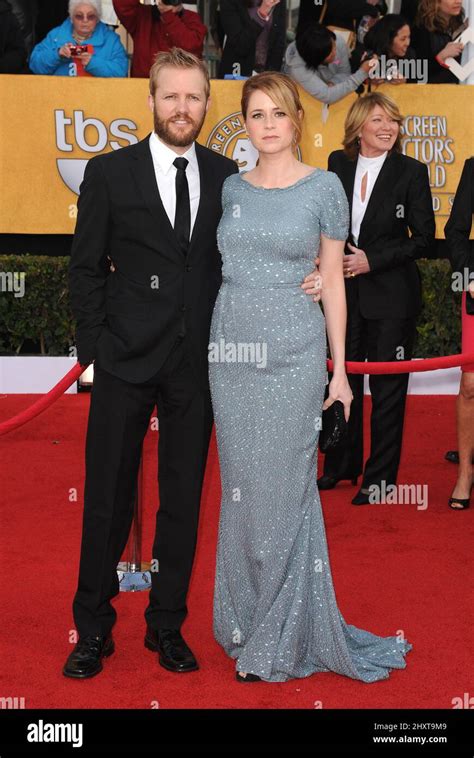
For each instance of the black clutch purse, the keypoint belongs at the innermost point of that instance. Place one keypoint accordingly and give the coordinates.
(334, 427)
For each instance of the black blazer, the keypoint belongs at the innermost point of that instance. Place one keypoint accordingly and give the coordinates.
(458, 227)
(400, 201)
(428, 45)
(242, 33)
(130, 318)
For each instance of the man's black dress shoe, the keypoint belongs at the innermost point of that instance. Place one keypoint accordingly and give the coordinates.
(329, 482)
(361, 498)
(173, 653)
(86, 658)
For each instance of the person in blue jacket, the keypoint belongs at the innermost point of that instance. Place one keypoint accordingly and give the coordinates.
(81, 46)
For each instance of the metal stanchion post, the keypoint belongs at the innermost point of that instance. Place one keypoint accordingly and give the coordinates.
(134, 575)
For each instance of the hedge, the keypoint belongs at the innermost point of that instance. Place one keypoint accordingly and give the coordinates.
(41, 323)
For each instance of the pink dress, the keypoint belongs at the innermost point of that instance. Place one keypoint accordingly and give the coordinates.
(467, 335)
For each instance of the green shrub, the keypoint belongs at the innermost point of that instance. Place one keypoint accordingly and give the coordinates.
(42, 316)
(41, 322)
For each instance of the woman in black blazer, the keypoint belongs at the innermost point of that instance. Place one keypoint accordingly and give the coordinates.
(389, 196)
(253, 35)
(437, 25)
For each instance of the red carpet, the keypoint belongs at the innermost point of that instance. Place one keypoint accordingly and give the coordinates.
(394, 567)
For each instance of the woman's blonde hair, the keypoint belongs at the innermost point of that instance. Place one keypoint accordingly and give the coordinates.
(429, 16)
(178, 58)
(358, 114)
(284, 93)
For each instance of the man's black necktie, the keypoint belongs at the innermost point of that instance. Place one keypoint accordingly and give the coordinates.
(182, 219)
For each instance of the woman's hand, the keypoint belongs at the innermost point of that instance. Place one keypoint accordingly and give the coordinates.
(452, 50)
(367, 64)
(85, 58)
(355, 264)
(65, 51)
(267, 6)
(470, 289)
(339, 389)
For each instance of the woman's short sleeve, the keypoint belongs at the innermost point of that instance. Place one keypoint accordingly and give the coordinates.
(226, 192)
(334, 208)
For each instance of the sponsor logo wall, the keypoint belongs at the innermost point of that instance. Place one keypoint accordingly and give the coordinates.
(51, 126)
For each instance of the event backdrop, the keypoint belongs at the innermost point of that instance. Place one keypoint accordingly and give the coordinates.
(51, 126)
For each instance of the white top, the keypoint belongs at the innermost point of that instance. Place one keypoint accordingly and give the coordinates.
(165, 173)
(372, 167)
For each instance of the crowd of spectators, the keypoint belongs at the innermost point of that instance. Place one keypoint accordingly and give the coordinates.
(337, 47)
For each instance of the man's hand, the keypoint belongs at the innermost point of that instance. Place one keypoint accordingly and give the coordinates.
(355, 264)
(163, 8)
(313, 283)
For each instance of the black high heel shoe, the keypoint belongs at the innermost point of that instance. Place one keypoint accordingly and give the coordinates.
(464, 502)
(329, 482)
(248, 678)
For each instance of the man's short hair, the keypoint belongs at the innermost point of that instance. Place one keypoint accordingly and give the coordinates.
(178, 58)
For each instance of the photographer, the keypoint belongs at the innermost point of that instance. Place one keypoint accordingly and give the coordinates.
(156, 28)
(253, 33)
(319, 61)
(81, 46)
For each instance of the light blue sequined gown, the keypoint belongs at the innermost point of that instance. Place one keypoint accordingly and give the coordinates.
(275, 610)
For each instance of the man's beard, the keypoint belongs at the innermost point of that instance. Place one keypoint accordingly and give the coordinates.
(185, 136)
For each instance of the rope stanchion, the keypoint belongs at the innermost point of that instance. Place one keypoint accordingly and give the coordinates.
(134, 574)
(44, 402)
(352, 367)
(405, 367)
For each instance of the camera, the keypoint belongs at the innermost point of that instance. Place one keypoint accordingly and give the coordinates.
(78, 49)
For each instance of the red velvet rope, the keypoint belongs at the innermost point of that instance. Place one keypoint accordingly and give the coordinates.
(406, 367)
(352, 367)
(44, 402)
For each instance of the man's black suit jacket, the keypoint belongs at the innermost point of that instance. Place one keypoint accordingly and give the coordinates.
(400, 203)
(129, 319)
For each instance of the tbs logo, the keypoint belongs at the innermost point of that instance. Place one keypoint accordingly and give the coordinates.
(89, 135)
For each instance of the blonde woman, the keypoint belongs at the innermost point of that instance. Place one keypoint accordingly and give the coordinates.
(275, 611)
(392, 224)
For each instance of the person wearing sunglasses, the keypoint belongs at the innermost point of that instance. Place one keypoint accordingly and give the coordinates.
(81, 46)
